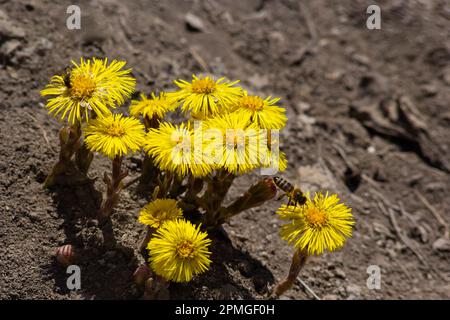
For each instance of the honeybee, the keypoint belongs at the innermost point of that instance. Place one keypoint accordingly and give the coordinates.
(294, 194)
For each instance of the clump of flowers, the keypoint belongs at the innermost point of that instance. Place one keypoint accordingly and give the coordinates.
(320, 224)
(228, 134)
(189, 166)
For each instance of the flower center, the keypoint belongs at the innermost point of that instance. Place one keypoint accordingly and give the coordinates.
(82, 86)
(185, 249)
(254, 103)
(234, 139)
(177, 138)
(181, 140)
(116, 130)
(315, 217)
(206, 85)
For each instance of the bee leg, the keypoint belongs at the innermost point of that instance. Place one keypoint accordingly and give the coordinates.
(289, 202)
(294, 206)
(281, 196)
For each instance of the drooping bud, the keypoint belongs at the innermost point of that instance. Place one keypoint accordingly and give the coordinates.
(256, 195)
(259, 193)
(271, 187)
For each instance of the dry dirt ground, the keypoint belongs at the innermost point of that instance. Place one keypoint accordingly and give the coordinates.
(368, 115)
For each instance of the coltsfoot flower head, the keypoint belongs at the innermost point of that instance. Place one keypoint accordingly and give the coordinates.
(205, 97)
(179, 250)
(160, 211)
(236, 144)
(91, 85)
(172, 148)
(263, 112)
(115, 135)
(153, 106)
(320, 224)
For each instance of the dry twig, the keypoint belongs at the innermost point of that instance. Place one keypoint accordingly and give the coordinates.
(388, 208)
(308, 289)
(436, 213)
(402, 237)
(199, 59)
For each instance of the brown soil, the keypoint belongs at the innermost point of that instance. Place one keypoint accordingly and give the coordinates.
(345, 88)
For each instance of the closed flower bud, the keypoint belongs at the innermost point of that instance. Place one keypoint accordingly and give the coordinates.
(262, 191)
(141, 275)
(65, 255)
(270, 185)
(255, 196)
(149, 290)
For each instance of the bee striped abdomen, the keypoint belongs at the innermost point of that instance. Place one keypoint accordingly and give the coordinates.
(283, 184)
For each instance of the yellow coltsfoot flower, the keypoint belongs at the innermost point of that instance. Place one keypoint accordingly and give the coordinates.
(320, 224)
(91, 85)
(115, 135)
(179, 251)
(159, 211)
(172, 148)
(205, 97)
(234, 141)
(263, 112)
(153, 106)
